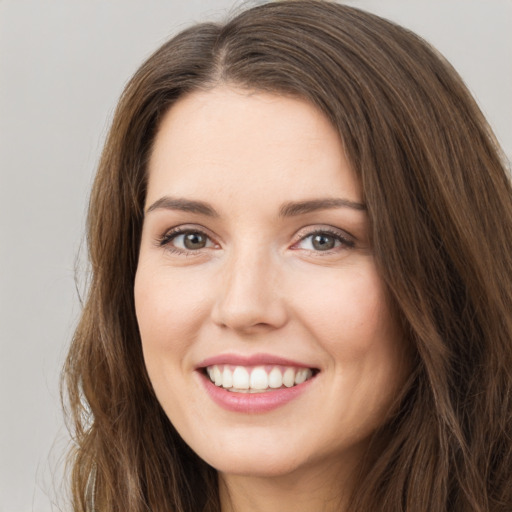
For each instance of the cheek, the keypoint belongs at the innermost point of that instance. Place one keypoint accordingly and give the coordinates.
(348, 311)
(168, 309)
(351, 319)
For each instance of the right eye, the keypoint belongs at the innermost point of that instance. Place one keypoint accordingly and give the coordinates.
(188, 240)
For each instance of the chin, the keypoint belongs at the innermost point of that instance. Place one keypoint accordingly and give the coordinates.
(259, 466)
(251, 457)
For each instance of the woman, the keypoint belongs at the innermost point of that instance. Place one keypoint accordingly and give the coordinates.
(300, 238)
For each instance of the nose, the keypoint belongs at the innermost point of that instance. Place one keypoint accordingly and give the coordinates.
(249, 299)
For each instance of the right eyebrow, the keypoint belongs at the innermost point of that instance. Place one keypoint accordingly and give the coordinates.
(184, 205)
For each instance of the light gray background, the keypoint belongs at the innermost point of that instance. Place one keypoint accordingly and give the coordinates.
(63, 64)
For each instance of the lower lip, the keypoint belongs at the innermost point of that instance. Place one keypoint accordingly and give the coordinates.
(252, 402)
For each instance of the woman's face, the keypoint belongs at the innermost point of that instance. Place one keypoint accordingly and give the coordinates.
(256, 273)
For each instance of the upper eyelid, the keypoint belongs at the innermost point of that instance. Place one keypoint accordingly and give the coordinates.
(188, 228)
(311, 230)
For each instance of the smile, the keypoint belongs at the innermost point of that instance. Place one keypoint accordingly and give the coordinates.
(257, 379)
(257, 383)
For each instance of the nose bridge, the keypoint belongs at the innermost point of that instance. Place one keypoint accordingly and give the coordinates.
(248, 296)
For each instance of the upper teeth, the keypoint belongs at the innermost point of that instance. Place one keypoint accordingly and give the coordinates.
(257, 378)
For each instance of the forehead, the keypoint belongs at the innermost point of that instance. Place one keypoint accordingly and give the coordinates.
(228, 142)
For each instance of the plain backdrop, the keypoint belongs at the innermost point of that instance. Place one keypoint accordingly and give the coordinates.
(63, 64)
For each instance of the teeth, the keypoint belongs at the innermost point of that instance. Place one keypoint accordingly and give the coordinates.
(275, 378)
(301, 376)
(227, 378)
(256, 379)
(217, 376)
(259, 379)
(289, 377)
(240, 378)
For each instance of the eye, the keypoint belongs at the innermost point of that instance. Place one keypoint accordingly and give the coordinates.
(192, 240)
(186, 240)
(324, 241)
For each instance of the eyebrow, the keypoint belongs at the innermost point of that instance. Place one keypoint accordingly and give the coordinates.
(294, 208)
(288, 209)
(184, 205)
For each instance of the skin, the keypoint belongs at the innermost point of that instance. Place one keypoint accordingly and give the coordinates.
(260, 285)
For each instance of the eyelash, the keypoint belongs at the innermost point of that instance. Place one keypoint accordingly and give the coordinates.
(345, 242)
(166, 239)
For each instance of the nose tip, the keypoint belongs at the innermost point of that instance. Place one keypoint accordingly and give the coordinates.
(249, 299)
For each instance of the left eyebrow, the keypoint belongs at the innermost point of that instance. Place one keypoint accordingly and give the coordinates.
(292, 208)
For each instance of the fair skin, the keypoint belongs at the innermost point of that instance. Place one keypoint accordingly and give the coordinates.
(255, 255)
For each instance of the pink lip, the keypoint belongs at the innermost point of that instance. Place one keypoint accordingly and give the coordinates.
(252, 360)
(252, 402)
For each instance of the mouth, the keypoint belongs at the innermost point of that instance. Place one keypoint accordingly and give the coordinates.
(257, 379)
(257, 383)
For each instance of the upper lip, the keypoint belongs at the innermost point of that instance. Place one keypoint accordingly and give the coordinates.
(251, 360)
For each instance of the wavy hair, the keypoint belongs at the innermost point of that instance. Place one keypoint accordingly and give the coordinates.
(440, 210)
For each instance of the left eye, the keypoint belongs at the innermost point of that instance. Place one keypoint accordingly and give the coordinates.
(321, 241)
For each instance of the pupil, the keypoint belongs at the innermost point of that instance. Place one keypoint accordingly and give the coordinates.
(194, 241)
(323, 242)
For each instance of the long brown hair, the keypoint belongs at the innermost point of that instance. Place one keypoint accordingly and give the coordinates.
(440, 210)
